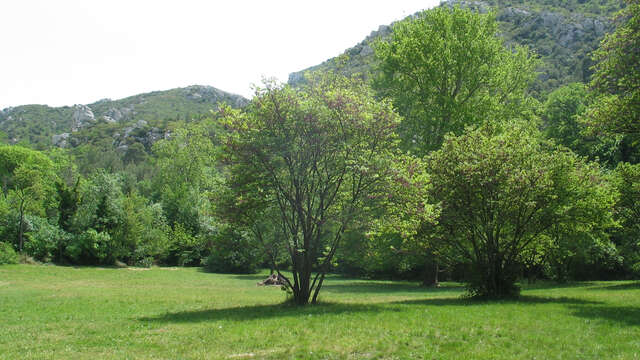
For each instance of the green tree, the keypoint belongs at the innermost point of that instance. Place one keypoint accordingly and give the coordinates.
(187, 177)
(561, 115)
(143, 231)
(500, 191)
(28, 180)
(616, 80)
(319, 153)
(97, 220)
(627, 210)
(445, 69)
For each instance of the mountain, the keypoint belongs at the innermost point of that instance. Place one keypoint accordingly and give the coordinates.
(561, 32)
(43, 126)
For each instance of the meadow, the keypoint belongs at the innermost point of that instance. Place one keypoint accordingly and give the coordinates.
(56, 312)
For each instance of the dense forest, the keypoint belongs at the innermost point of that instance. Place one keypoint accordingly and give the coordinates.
(488, 142)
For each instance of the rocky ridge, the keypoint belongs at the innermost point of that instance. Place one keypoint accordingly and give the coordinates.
(50, 126)
(562, 40)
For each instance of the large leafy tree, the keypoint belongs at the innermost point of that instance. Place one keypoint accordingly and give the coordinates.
(320, 154)
(445, 69)
(500, 191)
(28, 180)
(561, 114)
(616, 80)
(186, 176)
(627, 210)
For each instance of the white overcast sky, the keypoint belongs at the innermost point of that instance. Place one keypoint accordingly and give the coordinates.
(79, 51)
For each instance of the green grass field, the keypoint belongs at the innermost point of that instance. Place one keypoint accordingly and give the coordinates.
(51, 312)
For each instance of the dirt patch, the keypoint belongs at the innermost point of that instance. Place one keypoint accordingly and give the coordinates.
(251, 355)
(245, 355)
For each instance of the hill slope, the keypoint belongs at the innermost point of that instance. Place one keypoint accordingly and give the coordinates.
(44, 126)
(562, 33)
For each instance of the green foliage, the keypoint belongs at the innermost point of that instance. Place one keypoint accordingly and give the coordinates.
(383, 256)
(233, 252)
(561, 115)
(144, 230)
(44, 239)
(627, 211)
(502, 189)
(101, 204)
(91, 247)
(579, 244)
(446, 69)
(616, 80)
(7, 254)
(187, 176)
(28, 180)
(186, 249)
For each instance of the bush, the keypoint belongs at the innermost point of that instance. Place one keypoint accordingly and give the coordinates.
(43, 239)
(7, 254)
(90, 247)
(185, 249)
(233, 252)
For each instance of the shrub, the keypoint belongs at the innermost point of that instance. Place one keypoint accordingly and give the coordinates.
(43, 239)
(185, 249)
(90, 247)
(8, 254)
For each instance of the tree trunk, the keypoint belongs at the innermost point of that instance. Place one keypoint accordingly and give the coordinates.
(21, 228)
(317, 290)
(301, 289)
(431, 271)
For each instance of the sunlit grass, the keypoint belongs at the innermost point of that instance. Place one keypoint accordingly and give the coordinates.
(81, 313)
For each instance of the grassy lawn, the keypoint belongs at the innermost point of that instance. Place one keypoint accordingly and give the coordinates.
(51, 312)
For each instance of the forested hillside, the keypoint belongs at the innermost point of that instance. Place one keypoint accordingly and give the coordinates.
(42, 126)
(561, 33)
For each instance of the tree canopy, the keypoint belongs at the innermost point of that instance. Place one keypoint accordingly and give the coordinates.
(616, 80)
(446, 69)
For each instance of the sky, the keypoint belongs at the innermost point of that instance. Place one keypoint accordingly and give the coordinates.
(69, 52)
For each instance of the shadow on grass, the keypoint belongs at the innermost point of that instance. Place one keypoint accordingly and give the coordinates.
(626, 315)
(522, 300)
(375, 287)
(549, 285)
(629, 286)
(245, 313)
